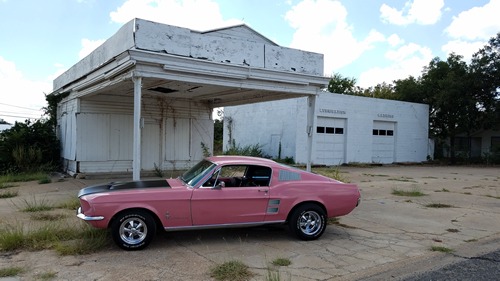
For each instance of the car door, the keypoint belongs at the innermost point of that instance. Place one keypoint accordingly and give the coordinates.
(229, 197)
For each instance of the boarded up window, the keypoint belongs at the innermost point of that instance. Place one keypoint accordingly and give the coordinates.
(177, 138)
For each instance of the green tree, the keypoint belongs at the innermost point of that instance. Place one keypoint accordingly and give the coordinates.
(28, 146)
(485, 70)
(411, 90)
(447, 85)
(381, 91)
(218, 135)
(343, 85)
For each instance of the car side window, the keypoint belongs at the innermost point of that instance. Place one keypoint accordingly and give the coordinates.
(233, 176)
(258, 176)
(212, 181)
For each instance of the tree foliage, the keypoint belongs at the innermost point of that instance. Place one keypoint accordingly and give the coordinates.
(32, 145)
(28, 146)
(463, 98)
(342, 85)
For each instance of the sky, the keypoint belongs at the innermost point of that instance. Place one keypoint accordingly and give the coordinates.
(373, 41)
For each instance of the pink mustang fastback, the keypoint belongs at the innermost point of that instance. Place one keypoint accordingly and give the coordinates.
(220, 191)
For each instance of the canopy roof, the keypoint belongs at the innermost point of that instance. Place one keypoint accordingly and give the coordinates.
(227, 66)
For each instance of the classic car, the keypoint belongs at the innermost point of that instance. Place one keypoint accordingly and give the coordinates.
(219, 191)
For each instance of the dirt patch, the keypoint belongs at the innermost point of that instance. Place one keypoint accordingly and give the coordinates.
(385, 229)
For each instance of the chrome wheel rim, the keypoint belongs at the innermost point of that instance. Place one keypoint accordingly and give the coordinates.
(310, 223)
(133, 231)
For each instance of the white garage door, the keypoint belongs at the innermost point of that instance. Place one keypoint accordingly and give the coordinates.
(383, 147)
(330, 141)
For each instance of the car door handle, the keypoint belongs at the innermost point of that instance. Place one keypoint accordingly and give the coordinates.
(263, 190)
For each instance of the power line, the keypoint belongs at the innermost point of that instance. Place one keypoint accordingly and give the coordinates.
(19, 106)
(15, 116)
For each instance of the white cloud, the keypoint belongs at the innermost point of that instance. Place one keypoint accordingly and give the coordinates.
(21, 94)
(424, 12)
(395, 40)
(194, 14)
(321, 26)
(478, 23)
(407, 60)
(463, 48)
(88, 46)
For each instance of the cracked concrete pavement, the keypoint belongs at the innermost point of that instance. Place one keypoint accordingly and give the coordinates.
(385, 234)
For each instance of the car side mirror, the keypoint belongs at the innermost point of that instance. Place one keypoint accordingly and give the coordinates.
(220, 185)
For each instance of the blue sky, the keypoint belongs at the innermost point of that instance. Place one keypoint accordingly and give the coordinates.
(373, 41)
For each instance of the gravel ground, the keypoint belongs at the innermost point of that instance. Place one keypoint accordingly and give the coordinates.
(385, 232)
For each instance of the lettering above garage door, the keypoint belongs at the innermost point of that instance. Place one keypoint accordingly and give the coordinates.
(331, 111)
(385, 115)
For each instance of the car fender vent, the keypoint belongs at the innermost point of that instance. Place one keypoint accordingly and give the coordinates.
(289, 176)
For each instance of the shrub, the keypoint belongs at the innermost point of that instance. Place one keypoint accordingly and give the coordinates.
(249, 150)
(27, 146)
(231, 270)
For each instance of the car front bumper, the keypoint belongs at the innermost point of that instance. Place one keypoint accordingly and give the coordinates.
(82, 216)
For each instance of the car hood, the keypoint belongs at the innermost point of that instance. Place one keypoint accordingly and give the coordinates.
(118, 186)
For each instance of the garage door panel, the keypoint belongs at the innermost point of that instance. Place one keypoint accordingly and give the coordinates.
(383, 142)
(330, 140)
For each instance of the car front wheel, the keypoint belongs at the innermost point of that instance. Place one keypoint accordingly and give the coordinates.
(308, 222)
(133, 230)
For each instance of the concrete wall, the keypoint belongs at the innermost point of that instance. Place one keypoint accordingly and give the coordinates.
(287, 120)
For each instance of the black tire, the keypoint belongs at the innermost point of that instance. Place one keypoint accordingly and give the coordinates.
(308, 222)
(133, 230)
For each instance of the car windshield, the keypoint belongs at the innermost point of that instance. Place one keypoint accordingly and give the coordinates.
(197, 172)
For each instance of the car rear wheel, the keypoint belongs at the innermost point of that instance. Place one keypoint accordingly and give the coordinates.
(308, 222)
(133, 230)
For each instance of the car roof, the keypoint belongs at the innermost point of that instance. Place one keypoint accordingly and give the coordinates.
(234, 159)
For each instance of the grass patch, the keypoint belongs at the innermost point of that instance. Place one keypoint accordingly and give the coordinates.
(332, 172)
(53, 236)
(43, 216)
(336, 221)
(414, 192)
(45, 180)
(372, 175)
(491, 196)
(438, 205)
(47, 275)
(36, 205)
(442, 190)
(8, 194)
(71, 204)
(231, 270)
(453, 230)
(10, 271)
(282, 262)
(441, 249)
(359, 165)
(93, 240)
(7, 185)
(273, 275)
(471, 240)
(403, 179)
(23, 177)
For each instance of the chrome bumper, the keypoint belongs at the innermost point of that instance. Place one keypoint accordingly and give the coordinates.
(80, 215)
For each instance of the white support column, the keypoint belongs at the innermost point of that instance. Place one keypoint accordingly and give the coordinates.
(136, 160)
(311, 109)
